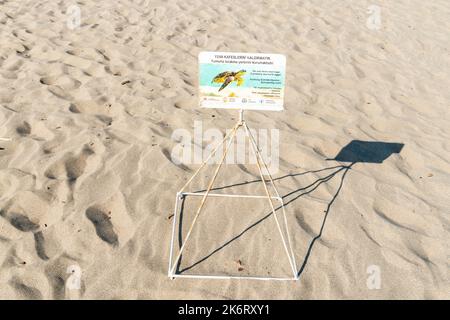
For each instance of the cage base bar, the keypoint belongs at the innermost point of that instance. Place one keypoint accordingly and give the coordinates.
(195, 276)
(229, 195)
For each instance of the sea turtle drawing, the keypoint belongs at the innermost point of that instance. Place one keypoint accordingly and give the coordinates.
(228, 77)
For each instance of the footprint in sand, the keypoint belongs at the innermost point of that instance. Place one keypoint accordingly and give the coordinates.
(114, 70)
(60, 93)
(75, 167)
(103, 225)
(112, 221)
(29, 211)
(69, 167)
(13, 65)
(99, 107)
(60, 86)
(8, 75)
(22, 223)
(25, 210)
(24, 129)
(39, 243)
(25, 291)
(74, 109)
(64, 82)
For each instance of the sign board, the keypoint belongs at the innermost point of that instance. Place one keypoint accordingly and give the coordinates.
(249, 81)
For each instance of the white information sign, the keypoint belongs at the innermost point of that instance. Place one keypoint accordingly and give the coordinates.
(249, 81)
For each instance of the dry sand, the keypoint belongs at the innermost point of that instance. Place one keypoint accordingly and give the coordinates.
(87, 180)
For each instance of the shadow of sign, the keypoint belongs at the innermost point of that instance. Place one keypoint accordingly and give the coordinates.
(367, 151)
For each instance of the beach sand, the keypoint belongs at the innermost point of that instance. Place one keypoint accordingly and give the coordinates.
(87, 182)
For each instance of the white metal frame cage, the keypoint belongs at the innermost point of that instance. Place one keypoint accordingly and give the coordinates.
(262, 166)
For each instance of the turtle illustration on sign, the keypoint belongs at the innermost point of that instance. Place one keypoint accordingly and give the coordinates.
(228, 77)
